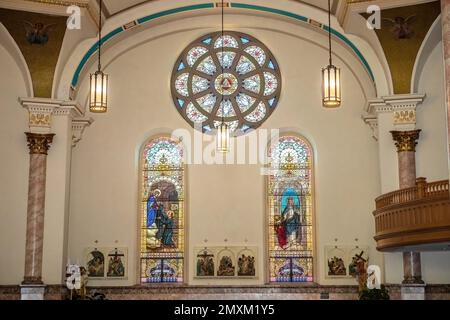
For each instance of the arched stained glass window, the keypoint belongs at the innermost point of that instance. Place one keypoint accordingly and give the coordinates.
(162, 211)
(290, 215)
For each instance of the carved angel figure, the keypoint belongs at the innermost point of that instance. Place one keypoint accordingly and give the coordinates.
(401, 28)
(37, 33)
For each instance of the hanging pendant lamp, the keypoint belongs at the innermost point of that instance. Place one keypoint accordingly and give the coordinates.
(331, 76)
(98, 98)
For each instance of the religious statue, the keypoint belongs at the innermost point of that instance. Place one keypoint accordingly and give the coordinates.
(361, 270)
(373, 277)
(37, 33)
(226, 267)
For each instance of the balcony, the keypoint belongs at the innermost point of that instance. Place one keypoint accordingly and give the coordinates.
(413, 217)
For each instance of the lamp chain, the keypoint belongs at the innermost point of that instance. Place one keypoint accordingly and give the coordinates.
(222, 67)
(329, 30)
(100, 36)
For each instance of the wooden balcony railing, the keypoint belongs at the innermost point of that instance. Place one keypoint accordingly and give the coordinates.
(413, 216)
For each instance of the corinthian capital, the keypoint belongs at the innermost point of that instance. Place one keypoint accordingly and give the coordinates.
(406, 140)
(39, 143)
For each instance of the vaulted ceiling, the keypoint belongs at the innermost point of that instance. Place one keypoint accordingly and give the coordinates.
(400, 54)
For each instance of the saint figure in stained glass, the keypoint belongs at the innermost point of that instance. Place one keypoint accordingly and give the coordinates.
(162, 211)
(290, 211)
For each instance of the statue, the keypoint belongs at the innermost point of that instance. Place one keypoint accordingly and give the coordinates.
(373, 277)
(361, 270)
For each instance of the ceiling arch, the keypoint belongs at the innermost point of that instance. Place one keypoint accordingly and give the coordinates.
(207, 6)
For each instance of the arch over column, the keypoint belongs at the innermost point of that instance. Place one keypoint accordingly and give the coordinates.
(118, 33)
(11, 46)
(432, 39)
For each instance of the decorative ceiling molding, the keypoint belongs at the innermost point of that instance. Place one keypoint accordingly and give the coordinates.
(79, 3)
(208, 6)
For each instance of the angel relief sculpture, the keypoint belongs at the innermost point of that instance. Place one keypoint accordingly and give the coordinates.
(401, 27)
(37, 33)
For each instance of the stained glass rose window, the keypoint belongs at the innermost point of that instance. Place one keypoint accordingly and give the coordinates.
(245, 94)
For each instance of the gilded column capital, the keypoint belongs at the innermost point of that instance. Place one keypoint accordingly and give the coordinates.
(39, 143)
(406, 140)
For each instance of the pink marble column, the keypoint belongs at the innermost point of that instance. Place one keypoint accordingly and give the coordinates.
(39, 145)
(412, 270)
(406, 142)
(445, 17)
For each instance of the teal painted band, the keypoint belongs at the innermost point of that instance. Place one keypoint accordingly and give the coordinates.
(119, 30)
(175, 10)
(160, 14)
(271, 10)
(91, 52)
(305, 19)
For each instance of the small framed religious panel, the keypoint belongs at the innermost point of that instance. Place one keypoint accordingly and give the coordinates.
(117, 260)
(204, 263)
(106, 263)
(335, 258)
(246, 263)
(95, 263)
(226, 262)
(342, 261)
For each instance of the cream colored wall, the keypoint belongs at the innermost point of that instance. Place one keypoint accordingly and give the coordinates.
(431, 162)
(224, 201)
(13, 171)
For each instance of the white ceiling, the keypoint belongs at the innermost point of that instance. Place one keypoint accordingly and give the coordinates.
(115, 6)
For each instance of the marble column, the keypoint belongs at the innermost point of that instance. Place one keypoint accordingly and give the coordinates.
(39, 145)
(406, 142)
(445, 17)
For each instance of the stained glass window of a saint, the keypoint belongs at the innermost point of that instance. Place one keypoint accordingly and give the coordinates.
(290, 211)
(162, 211)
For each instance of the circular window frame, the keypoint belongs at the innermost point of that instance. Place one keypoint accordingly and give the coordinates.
(270, 65)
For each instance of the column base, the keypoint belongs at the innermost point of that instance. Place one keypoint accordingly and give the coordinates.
(32, 292)
(413, 292)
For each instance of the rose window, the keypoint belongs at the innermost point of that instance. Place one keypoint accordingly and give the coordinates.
(234, 77)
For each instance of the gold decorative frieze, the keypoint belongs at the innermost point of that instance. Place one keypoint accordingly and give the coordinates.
(406, 140)
(39, 143)
(43, 120)
(405, 117)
